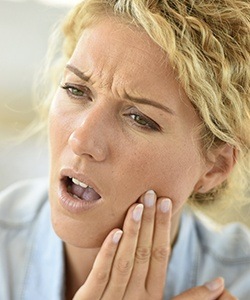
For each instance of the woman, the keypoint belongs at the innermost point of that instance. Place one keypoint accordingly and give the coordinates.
(152, 109)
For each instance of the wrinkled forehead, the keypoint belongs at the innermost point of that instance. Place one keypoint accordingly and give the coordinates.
(121, 43)
(123, 59)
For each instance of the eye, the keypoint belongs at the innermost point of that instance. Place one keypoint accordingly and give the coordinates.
(144, 122)
(76, 91)
(140, 120)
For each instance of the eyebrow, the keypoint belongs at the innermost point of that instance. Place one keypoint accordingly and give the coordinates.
(144, 101)
(78, 72)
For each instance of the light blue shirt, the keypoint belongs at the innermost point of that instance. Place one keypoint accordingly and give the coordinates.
(32, 262)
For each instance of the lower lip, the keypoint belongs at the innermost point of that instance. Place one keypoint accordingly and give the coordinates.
(74, 205)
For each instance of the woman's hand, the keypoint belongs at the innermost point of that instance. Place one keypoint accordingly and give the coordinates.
(213, 290)
(132, 263)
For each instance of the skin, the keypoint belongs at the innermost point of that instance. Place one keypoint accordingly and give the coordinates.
(93, 130)
(96, 135)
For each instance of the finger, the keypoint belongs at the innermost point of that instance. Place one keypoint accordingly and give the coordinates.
(124, 259)
(161, 248)
(99, 276)
(209, 291)
(144, 245)
(227, 296)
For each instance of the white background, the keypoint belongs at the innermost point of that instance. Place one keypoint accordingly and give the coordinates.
(24, 30)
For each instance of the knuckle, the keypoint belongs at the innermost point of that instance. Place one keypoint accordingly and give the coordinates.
(102, 277)
(123, 266)
(108, 253)
(131, 231)
(161, 220)
(142, 254)
(148, 217)
(161, 253)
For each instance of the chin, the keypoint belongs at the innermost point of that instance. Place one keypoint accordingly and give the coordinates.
(71, 233)
(83, 231)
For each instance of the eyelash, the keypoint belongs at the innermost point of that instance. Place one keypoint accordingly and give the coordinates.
(69, 89)
(148, 125)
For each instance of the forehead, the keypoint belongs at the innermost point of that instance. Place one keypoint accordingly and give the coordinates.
(119, 58)
(112, 44)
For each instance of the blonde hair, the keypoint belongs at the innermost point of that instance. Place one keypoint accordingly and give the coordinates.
(208, 45)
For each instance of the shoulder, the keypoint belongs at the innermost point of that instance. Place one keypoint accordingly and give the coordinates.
(205, 250)
(27, 242)
(228, 243)
(20, 202)
(223, 251)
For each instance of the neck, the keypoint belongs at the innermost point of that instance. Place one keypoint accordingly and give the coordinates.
(78, 264)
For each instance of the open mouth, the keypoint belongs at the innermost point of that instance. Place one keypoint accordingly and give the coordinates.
(80, 190)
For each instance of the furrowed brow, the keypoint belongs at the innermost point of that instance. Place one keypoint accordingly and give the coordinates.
(146, 101)
(78, 73)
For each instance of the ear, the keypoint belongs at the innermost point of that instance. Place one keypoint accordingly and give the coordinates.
(220, 164)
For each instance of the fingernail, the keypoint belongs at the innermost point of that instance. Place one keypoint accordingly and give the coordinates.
(149, 198)
(117, 236)
(137, 212)
(165, 205)
(215, 284)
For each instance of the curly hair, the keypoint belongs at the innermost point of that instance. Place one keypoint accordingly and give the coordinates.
(208, 45)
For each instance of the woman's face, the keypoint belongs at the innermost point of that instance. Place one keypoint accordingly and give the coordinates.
(121, 124)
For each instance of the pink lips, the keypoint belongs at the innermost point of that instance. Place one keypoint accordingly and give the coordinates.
(89, 199)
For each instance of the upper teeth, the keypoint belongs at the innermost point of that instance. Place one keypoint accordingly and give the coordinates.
(77, 182)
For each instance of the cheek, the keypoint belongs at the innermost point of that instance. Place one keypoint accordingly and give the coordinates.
(170, 172)
(59, 129)
(179, 179)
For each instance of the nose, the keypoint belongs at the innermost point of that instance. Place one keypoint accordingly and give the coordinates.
(90, 137)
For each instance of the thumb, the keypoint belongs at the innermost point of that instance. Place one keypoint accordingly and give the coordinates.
(209, 291)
